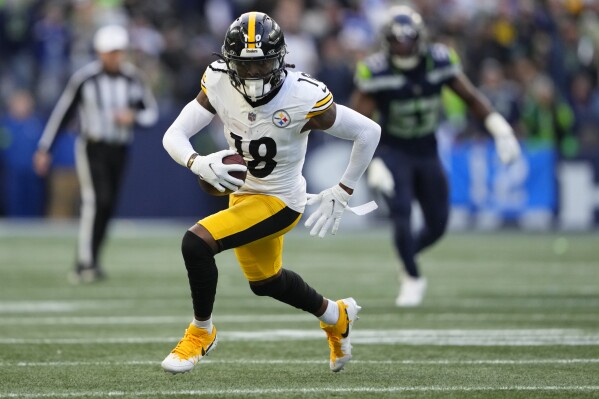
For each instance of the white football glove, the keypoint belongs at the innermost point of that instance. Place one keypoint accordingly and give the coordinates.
(508, 148)
(212, 169)
(379, 177)
(331, 204)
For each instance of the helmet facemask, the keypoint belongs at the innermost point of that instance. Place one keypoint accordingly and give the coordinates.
(254, 78)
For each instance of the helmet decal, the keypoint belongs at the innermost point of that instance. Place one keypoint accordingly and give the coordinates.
(253, 42)
(251, 36)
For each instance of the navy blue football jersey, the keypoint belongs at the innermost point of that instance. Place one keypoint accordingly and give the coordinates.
(408, 102)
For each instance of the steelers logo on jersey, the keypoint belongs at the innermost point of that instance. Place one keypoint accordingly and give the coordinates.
(281, 118)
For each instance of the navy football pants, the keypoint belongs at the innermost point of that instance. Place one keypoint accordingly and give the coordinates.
(417, 178)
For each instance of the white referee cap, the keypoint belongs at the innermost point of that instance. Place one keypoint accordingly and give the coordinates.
(111, 38)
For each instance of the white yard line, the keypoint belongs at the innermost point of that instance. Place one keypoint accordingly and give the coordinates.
(407, 362)
(581, 306)
(298, 318)
(132, 320)
(451, 337)
(60, 306)
(275, 391)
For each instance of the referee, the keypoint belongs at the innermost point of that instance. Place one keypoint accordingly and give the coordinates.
(109, 96)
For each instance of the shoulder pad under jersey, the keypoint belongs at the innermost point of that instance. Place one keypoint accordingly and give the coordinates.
(374, 64)
(443, 55)
(212, 75)
(316, 94)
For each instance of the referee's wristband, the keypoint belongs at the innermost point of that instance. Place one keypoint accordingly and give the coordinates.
(191, 159)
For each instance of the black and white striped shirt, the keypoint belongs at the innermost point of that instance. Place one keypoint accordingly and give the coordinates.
(97, 96)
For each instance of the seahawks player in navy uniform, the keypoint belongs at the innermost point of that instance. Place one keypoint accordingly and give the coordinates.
(402, 84)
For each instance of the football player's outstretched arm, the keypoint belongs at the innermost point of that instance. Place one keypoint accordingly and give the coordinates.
(195, 116)
(508, 148)
(348, 124)
(379, 177)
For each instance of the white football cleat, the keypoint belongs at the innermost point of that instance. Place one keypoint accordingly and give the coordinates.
(411, 292)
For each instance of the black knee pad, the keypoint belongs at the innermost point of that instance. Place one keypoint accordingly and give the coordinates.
(194, 248)
(291, 289)
(272, 288)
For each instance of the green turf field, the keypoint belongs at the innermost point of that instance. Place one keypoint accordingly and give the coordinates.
(507, 316)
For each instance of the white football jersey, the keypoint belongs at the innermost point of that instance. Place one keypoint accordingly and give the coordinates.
(269, 136)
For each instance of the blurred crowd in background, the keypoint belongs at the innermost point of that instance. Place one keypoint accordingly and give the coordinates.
(536, 60)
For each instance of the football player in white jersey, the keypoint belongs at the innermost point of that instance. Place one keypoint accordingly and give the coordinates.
(268, 113)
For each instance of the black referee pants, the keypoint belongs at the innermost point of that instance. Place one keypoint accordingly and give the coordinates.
(100, 168)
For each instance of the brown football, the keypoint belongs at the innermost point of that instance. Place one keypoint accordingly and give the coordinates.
(228, 160)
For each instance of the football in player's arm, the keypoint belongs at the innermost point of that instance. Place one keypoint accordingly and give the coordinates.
(267, 112)
(402, 84)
